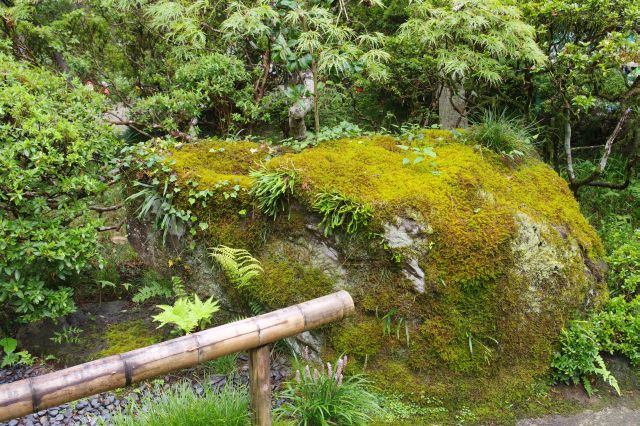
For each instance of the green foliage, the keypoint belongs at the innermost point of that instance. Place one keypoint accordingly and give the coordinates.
(273, 189)
(187, 315)
(395, 409)
(342, 130)
(153, 286)
(168, 218)
(472, 38)
(54, 157)
(329, 398)
(238, 264)
(10, 356)
(226, 365)
(624, 262)
(579, 358)
(69, 334)
(504, 135)
(341, 210)
(614, 329)
(180, 406)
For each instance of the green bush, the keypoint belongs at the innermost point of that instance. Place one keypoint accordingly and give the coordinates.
(54, 155)
(329, 398)
(181, 406)
(615, 329)
(624, 261)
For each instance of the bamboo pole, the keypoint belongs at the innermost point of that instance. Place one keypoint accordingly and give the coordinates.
(260, 385)
(49, 390)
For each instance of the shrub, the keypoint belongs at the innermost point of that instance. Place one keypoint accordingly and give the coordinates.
(55, 153)
(329, 398)
(624, 261)
(504, 135)
(614, 329)
(182, 406)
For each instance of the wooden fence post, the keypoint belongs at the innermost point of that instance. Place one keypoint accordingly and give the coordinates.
(260, 385)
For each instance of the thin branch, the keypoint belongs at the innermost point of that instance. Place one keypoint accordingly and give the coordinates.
(106, 209)
(613, 137)
(567, 144)
(110, 228)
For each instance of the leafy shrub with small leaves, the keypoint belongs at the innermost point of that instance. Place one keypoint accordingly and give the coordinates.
(624, 262)
(273, 189)
(186, 314)
(504, 135)
(55, 162)
(615, 329)
(340, 210)
(180, 406)
(238, 264)
(328, 397)
(579, 357)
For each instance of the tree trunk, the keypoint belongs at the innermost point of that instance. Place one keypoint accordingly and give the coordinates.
(299, 110)
(451, 107)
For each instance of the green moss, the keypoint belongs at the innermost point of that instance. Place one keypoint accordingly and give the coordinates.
(211, 162)
(286, 282)
(492, 304)
(362, 338)
(127, 336)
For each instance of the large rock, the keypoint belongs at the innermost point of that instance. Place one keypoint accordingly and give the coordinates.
(463, 277)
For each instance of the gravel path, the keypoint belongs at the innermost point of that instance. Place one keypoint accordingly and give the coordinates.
(87, 411)
(611, 416)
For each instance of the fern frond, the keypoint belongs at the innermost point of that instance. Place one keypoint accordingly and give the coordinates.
(238, 264)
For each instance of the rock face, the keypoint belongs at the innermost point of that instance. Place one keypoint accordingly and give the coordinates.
(464, 267)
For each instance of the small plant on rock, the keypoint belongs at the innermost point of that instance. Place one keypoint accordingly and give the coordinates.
(328, 397)
(340, 210)
(186, 314)
(273, 189)
(504, 135)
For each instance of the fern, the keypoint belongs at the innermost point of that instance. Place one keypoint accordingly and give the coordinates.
(187, 315)
(238, 264)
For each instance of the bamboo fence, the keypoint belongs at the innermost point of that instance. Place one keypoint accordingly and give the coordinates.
(254, 334)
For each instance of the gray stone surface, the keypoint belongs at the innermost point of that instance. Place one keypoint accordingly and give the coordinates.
(610, 416)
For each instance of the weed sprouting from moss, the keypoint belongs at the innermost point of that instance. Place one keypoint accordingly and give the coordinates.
(504, 135)
(338, 210)
(272, 189)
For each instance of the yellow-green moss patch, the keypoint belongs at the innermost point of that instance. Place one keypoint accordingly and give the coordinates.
(127, 336)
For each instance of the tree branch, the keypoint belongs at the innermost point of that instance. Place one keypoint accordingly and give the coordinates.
(106, 209)
(567, 145)
(110, 228)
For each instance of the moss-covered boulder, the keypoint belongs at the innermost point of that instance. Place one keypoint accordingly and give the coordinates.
(464, 266)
